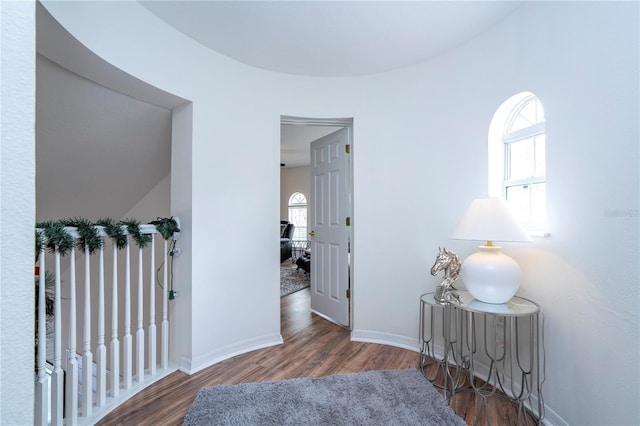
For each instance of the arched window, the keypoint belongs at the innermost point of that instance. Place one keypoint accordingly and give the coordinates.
(517, 166)
(298, 215)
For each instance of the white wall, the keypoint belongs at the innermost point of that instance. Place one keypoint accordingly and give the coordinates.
(293, 179)
(91, 143)
(156, 203)
(17, 211)
(420, 142)
(181, 207)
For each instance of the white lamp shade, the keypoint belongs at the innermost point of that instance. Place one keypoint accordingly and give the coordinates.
(489, 219)
(489, 275)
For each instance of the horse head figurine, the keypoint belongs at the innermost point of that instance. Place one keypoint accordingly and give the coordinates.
(450, 263)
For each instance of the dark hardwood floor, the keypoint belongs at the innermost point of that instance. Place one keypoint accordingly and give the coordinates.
(313, 347)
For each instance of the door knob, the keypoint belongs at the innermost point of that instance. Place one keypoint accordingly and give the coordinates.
(312, 233)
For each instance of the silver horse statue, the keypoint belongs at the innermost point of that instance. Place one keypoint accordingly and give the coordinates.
(449, 262)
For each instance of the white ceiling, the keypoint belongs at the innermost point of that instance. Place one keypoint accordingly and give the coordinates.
(331, 38)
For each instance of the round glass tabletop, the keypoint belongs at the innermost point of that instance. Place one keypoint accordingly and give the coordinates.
(517, 306)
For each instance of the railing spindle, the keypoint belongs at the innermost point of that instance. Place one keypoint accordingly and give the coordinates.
(114, 352)
(71, 382)
(87, 358)
(140, 331)
(152, 309)
(164, 359)
(57, 378)
(42, 385)
(127, 349)
(101, 351)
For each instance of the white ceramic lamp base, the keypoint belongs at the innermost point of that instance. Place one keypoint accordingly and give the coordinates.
(491, 276)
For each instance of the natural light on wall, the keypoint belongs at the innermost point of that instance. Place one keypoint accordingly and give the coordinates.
(517, 171)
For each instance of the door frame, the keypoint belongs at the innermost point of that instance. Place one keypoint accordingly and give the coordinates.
(344, 123)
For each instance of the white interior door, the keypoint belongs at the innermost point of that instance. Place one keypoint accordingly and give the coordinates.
(328, 233)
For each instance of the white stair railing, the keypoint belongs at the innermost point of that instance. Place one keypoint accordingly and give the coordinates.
(86, 389)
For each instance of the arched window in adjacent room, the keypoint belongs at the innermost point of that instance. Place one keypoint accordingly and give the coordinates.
(517, 159)
(298, 215)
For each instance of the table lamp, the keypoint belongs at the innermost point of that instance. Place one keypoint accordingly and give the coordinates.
(489, 275)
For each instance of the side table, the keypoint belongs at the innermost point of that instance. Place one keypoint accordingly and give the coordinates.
(501, 343)
(298, 247)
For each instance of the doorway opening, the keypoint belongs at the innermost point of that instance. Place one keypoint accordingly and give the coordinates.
(306, 143)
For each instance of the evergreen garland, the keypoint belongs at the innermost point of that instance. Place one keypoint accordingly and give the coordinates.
(55, 236)
(89, 235)
(133, 227)
(166, 226)
(52, 234)
(114, 231)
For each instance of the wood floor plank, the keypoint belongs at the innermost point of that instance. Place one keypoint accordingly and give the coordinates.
(313, 347)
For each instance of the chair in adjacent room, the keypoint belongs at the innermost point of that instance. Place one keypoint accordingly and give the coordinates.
(285, 240)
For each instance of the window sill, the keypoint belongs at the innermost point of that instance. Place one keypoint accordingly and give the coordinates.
(538, 234)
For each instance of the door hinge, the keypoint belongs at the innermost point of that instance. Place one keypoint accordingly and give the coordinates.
(348, 221)
(348, 293)
(347, 149)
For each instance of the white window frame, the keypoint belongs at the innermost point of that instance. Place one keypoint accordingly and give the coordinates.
(499, 146)
(517, 136)
(299, 232)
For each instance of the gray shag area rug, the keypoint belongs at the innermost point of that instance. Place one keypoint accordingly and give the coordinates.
(389, 397)
(292, 279)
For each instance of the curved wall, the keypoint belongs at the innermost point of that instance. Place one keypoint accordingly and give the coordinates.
(419, 157)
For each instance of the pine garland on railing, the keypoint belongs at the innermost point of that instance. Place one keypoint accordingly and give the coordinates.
(114, 231)
(53, 235)
(133, 226)
(89, 236)
(166, 226)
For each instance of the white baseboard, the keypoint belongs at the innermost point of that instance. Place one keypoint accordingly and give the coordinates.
(369, 336)
(197, 363)
(551, 418)
(125, 394)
